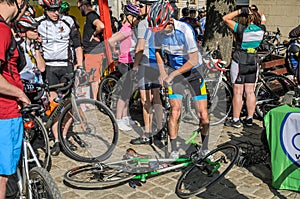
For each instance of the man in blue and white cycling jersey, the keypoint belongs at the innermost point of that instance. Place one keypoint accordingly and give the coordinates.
(178, 43)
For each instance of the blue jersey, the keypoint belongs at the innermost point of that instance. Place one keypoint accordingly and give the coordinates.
(177, 44)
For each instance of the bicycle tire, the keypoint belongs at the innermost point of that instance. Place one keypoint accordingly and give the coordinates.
(197, 178)
(95, 136)
(219, 105)
(42, 184)
(280, 85)
(97, 175)
(38, 138)
(107, 91)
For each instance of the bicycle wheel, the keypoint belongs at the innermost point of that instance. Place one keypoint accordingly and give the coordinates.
(107, 91)
(271, 91)
(97, 175)
(38, 138)
(42, 184)
(207, 171)
(219, 101)
(90, 129)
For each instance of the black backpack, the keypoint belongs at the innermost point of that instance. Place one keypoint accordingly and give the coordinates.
(21, 62)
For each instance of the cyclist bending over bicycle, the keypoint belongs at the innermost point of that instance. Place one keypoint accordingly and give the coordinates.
(178, 42)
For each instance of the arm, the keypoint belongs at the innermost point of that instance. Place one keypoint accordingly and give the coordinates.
(40, 62)
(79, 57)
(99, 28)
(75, 37)
(10, 90)
(114, 39)
(228, 18)
(139, 50)
(187, 66)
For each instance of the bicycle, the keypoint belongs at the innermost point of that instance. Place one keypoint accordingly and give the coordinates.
(32, 179)
(135, 167)
(88, 123)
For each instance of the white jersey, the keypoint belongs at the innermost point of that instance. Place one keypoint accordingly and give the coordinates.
(56, 40)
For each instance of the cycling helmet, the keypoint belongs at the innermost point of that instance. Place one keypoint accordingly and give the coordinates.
(31, 10)
(51, 3)
(131, 9)
(27, 23)
(147, 2)
(64, 7)
(159, 15)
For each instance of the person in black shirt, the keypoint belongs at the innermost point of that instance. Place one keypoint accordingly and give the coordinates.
(92, 42)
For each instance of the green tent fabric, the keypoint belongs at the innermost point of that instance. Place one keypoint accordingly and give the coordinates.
(283, 134)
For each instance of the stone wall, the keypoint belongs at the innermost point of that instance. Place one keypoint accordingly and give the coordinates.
(283, 14)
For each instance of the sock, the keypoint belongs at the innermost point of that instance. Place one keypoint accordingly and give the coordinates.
(248, 117)
(235, 119)
(56, 141)
(173, 144)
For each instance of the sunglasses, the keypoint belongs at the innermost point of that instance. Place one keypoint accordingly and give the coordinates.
(53, 9)
(141, 5)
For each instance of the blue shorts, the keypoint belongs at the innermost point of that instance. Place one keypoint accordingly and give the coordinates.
(11, 137)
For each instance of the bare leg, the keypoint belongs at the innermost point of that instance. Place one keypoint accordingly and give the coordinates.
(95, 88)
(157, 108)
(203, 121)
(3, 181)
(237, 102)
(120, 107)
(147, 109)
(174, 117)
(250, 99)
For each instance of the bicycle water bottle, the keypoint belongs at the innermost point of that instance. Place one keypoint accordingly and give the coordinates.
(52, 106)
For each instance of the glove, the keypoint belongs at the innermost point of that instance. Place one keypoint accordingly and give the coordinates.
(37, 45)
(245, 10)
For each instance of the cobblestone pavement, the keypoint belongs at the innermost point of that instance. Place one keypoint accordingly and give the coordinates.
(240, 182)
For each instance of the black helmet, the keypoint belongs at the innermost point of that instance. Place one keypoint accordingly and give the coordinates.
(51, 3)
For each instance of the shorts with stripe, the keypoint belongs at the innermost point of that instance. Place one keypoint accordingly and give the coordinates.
(191, 80)
(241, 74)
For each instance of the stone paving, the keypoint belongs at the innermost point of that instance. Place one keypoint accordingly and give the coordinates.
(240, 182)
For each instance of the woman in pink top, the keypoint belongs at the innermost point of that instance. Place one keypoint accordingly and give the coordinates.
(127, 39)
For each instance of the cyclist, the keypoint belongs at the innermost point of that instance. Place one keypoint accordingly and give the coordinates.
(244, 65)
(11, 93)
(294, 51)
(148, 73)
(30, 11)
(35, 63)
(57, 33)
(92, 40)
(178, 41)
(127, 39)
(64, 10)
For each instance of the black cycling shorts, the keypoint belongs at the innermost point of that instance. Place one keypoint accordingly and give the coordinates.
(57, 74)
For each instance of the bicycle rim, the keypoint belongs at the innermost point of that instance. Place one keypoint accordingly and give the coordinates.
(91, 128)
(97, 175)
(220, 102)
(107, 92)
(38, 138)
(42, 184)
(207, 171)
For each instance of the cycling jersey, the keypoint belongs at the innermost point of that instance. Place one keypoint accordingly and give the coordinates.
(178, 44)
(56, 36)
(30, 72)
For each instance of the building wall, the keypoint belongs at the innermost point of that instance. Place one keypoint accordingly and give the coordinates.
(283, 14)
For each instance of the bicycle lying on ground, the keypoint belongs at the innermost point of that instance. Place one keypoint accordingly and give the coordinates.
(207, 169)
(32, 180)
(200, 174)
(88, 124)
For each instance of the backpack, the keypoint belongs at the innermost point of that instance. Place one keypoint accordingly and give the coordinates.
(21, 62)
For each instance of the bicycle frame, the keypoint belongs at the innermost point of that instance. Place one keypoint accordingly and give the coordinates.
(23, 172)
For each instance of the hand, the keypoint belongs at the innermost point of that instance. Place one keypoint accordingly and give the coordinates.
(95, 38)
(24, 100)
(162, 77)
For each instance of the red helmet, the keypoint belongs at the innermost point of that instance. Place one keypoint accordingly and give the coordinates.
(159, 15)
(51, 3)
(27, 23)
